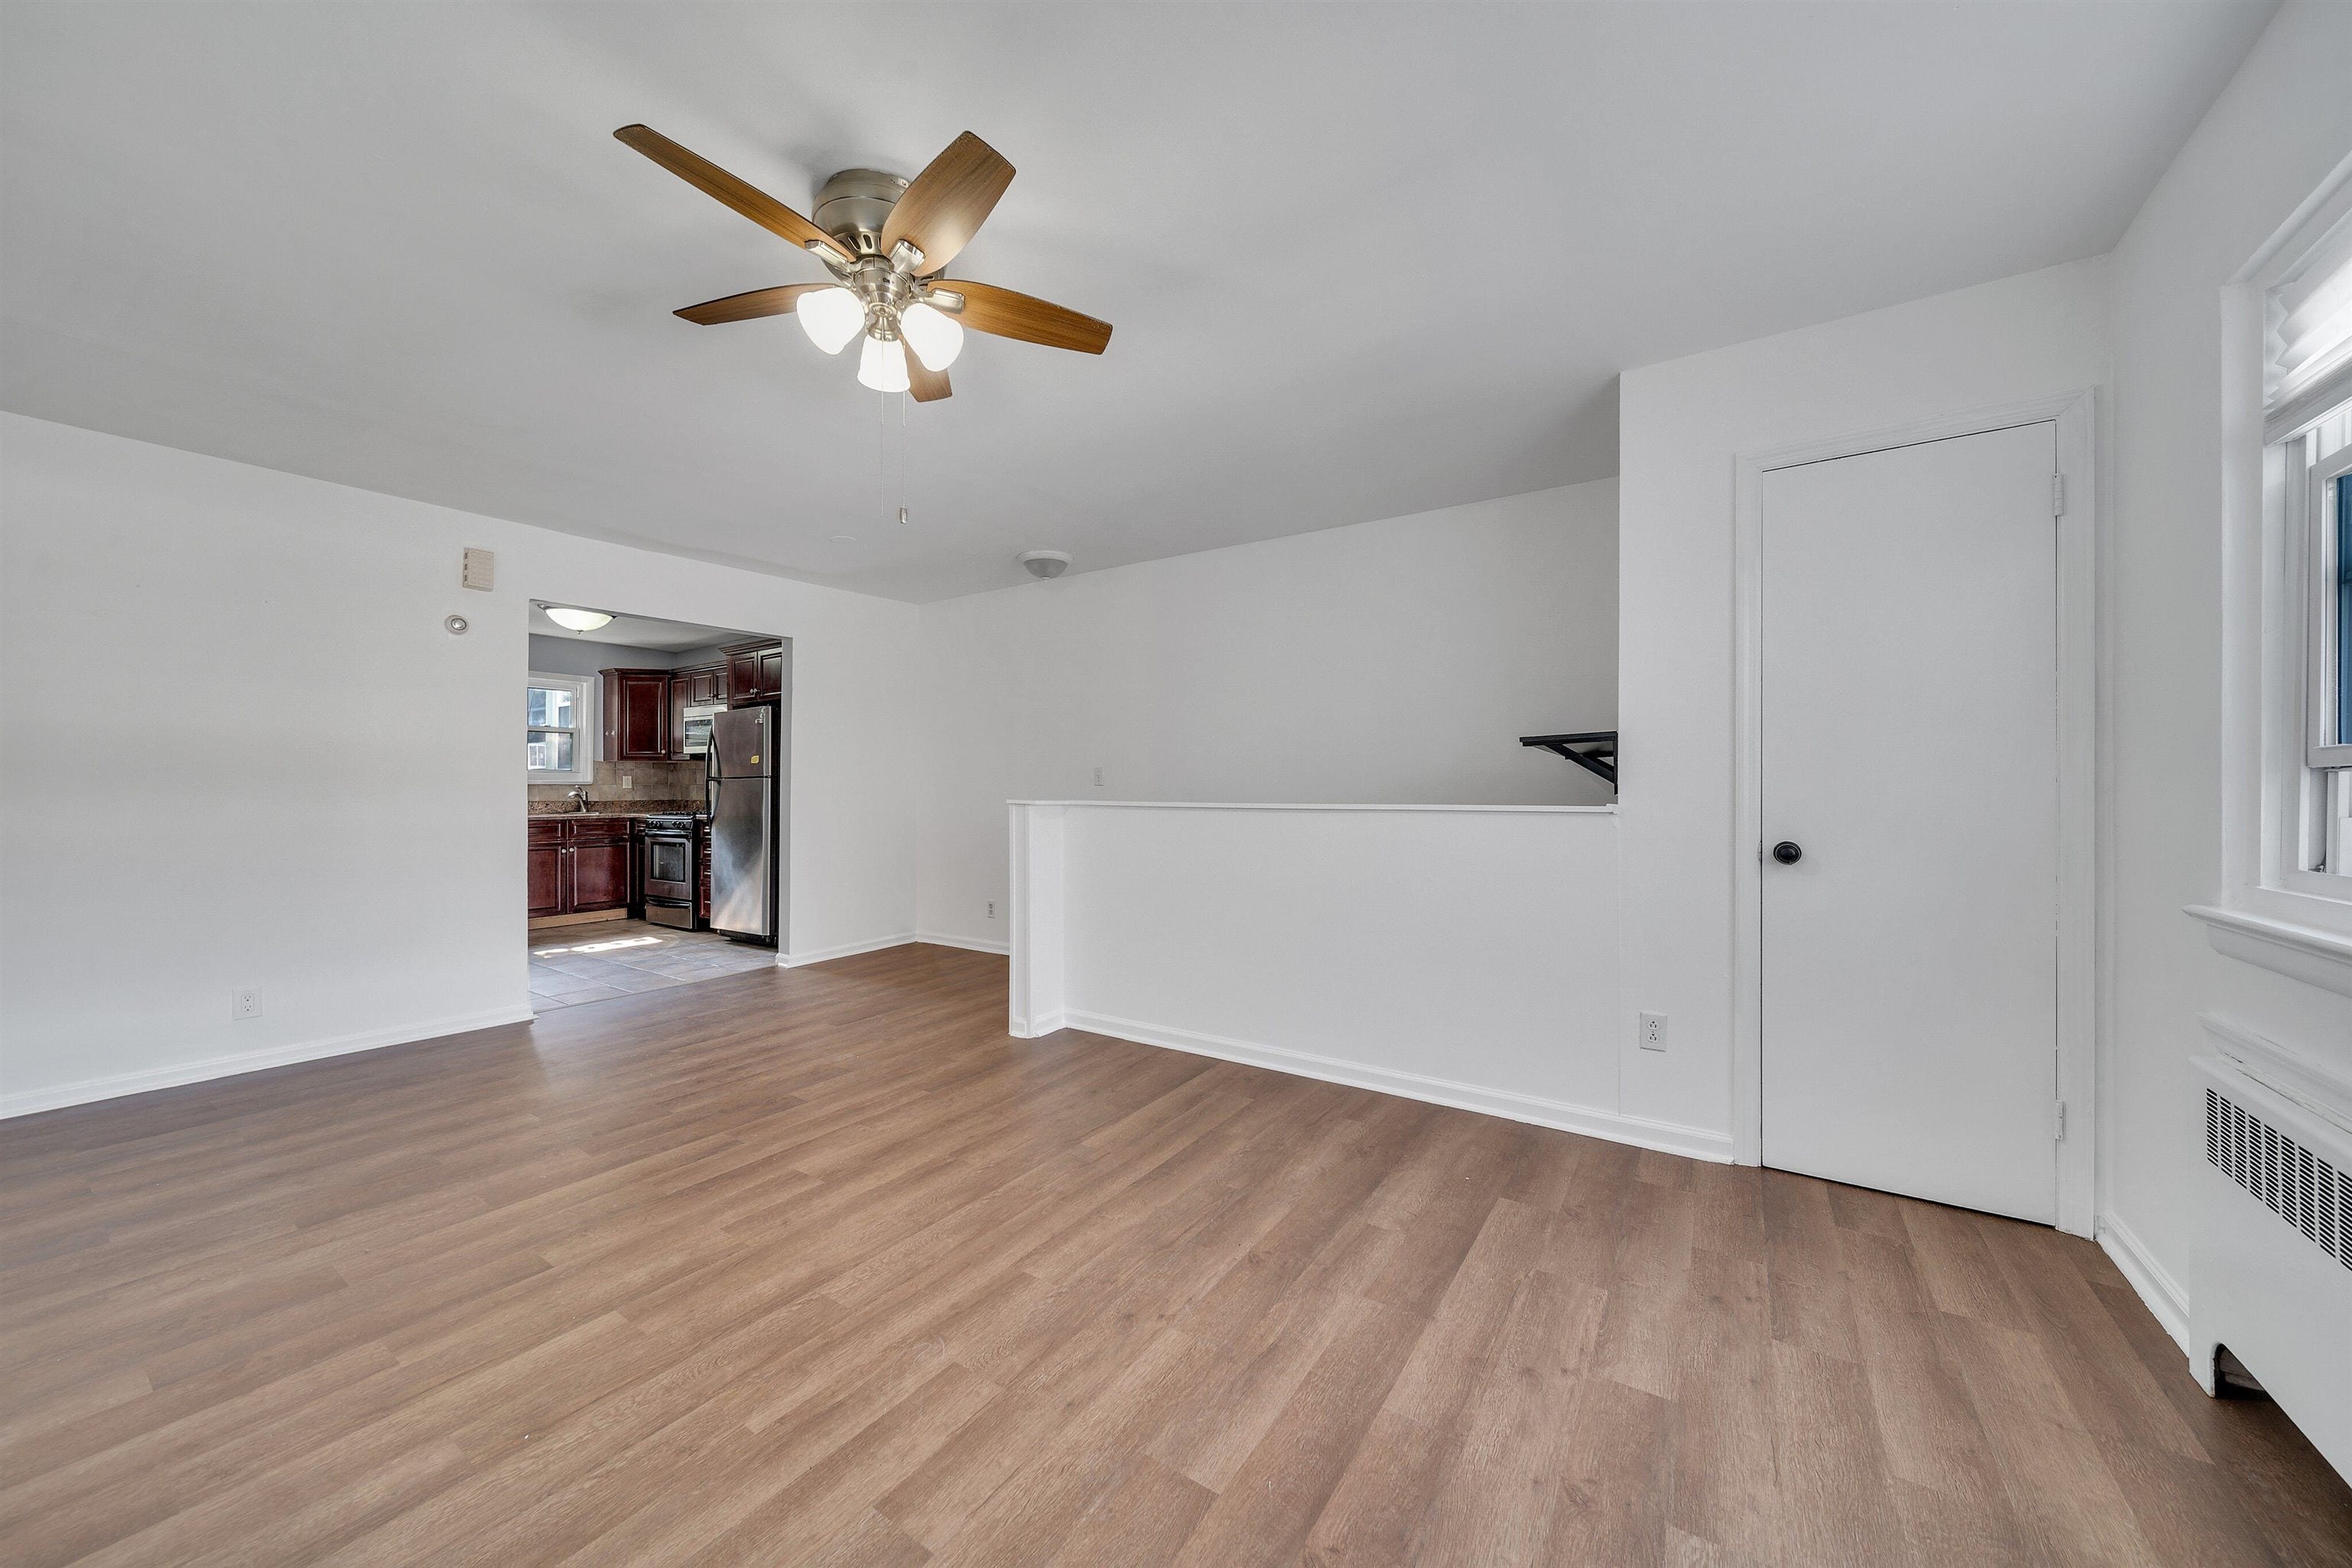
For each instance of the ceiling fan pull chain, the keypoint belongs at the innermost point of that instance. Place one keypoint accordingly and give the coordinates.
(890, 455)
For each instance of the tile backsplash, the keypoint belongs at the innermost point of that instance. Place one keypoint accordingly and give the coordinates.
(655, 786)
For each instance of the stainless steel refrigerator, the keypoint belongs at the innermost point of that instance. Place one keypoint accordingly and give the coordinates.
(745, 855)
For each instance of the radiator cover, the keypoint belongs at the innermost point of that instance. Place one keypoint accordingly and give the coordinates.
(2272, 1278)
(2302, 1188)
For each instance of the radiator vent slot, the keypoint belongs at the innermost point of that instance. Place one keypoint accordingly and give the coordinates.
(2296, 1184)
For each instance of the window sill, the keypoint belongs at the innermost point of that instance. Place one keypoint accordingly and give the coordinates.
(2298, 951)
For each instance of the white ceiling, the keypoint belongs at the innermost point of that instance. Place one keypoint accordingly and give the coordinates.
(638, 631)
(1363, 260)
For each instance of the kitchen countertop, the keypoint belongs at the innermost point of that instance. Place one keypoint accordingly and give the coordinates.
(654, 808)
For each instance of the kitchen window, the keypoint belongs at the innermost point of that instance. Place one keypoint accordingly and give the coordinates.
(557, 747)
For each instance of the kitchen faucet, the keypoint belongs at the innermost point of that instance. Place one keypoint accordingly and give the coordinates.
(579, 797)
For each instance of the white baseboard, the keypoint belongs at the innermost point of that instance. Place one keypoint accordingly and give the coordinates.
(851, 950)
(969, 943)
(32, 1101)
(1672, 1137)
(847, 950)
(2159, 1290)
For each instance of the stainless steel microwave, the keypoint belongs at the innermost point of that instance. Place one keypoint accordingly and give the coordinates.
(698, 728)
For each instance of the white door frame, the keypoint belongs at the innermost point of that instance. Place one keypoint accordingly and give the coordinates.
(2079, 849)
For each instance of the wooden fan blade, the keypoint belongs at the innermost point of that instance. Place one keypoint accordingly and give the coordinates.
(928, 385)
(1000, 311)
(750, 200)
(945, 204)
(776, 301)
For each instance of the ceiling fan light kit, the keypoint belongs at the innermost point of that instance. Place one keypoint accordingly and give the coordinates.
(882, 364)
(830, 317)
(886, 241)
(930, 334)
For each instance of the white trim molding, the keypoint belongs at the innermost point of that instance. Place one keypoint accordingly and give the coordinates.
(2301, 952)
(2300, 1079)
(1697, 1142)
(847, 950)
(904, 939)
(969, 944)
(1283, 806)
(587, 734)
(2167, 1302)
(2266, 879)
(33, 1101)
(2076, 414)
(1034, 1000)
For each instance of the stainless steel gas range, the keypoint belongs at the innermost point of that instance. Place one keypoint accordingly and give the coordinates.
(669, 869)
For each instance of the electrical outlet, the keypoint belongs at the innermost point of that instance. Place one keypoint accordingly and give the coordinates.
(628, 781)
(244, 1002)
(992, 908)
(1099, 784)
(1653, 1034)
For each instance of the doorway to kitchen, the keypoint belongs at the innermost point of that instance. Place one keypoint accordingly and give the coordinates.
(656, 774)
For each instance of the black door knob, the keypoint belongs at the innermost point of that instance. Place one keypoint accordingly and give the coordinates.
(1788, 852)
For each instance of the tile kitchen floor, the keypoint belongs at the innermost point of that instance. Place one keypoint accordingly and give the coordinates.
(571, 964)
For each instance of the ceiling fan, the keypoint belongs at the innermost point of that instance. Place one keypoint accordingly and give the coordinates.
(886, 240)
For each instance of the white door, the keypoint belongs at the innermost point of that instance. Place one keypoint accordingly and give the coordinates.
(1909, 754)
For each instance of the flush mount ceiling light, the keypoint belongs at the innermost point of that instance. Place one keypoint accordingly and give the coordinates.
(576, 620)
(886, 240)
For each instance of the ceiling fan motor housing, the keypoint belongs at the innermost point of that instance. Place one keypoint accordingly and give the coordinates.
(854, 204)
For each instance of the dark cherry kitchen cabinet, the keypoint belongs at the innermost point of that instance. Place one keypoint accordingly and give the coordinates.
(546, 860)
(702, 871)
(703, 687)
(579, 865)
(755, 673)
(600, 862)
(637, 715)
(743, 676)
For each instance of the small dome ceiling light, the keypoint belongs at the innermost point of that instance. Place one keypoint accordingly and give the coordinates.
(1044, 564)
(576, 620)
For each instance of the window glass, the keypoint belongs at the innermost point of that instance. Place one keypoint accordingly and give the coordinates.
(553, 712)
(551, 751)
(2343, 630)
(551, 707)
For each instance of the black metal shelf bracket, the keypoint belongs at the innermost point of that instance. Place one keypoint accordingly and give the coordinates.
(1597, 755)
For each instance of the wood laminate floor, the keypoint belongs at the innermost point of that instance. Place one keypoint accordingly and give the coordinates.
(817, 1265)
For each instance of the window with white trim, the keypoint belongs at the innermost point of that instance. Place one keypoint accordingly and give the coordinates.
(2326, 453)
(558, 747)
(2307, 420)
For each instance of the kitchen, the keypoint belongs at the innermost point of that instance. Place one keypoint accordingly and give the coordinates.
(657, 762)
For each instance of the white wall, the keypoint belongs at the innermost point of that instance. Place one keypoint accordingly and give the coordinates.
(266, 763)
(2182, 451)
(1682, 424)
(1462, 955)
(575, 656)
(1394, 661)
